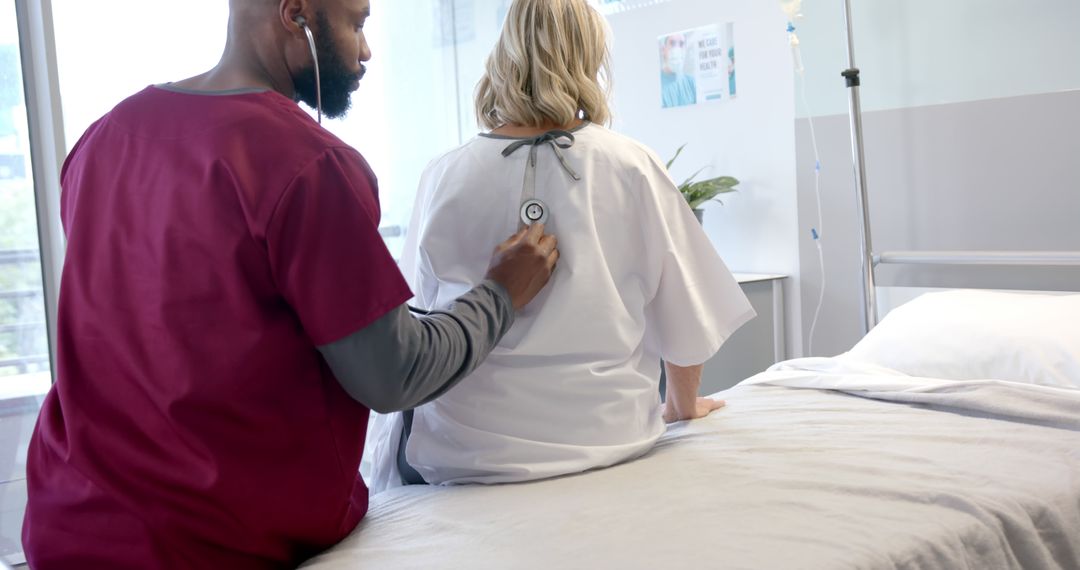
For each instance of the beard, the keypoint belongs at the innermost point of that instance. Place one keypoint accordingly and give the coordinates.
(336, 78)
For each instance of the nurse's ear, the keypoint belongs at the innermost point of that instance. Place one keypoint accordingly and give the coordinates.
(293, 16)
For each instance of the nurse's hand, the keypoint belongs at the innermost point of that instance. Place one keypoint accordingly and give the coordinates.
(523, 263)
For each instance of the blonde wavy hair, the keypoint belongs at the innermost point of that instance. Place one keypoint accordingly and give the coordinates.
(550, 66)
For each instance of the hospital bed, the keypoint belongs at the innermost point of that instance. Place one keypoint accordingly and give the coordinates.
(949, 437)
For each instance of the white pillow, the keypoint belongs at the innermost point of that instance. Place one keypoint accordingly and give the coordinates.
(971, 334)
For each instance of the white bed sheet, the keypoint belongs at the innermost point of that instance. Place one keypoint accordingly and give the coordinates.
(801, 476)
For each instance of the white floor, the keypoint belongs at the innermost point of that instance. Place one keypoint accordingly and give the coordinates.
(16, 425)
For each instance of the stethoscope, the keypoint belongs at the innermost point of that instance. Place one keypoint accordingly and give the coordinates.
(533, 210)
(300, 21)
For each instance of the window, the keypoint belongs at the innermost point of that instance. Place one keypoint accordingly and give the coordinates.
(108, 50)
(25, 373)
(24, 351)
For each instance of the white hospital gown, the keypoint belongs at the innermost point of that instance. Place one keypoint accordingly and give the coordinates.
(574, 383)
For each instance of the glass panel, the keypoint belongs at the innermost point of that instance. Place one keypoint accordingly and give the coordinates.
(24, 347)
(484, 24)
(147, 43)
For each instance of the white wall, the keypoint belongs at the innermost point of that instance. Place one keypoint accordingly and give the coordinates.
(751, 137)
(925, 52)
(970, 131)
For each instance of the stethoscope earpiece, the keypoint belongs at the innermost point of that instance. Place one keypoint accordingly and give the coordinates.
(302, 23)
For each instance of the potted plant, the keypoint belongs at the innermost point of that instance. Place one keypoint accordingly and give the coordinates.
(699, 192)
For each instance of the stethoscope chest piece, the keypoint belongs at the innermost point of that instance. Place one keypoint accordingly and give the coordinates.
(534, 212)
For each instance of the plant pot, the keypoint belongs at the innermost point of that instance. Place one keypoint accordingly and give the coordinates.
(700, 216)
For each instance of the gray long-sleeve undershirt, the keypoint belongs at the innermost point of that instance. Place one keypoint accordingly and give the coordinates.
(401, 361)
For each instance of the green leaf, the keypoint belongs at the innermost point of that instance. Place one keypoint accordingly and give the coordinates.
(701, 192)
(690, 181)
(672, 161)
(725, 181)
(697, 193)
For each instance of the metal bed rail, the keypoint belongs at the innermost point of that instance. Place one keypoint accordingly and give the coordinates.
(993, 258)
(973, 258)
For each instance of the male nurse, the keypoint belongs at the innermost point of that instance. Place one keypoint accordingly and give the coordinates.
(229, 314)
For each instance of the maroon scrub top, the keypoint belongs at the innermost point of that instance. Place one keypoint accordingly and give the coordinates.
(214, 240)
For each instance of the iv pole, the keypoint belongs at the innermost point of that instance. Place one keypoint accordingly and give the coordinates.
(851, 76)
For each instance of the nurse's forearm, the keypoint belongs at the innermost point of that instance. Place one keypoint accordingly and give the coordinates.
(401, 361)
(683, 383)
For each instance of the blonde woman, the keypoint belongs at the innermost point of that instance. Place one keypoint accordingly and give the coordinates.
(574, 384)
